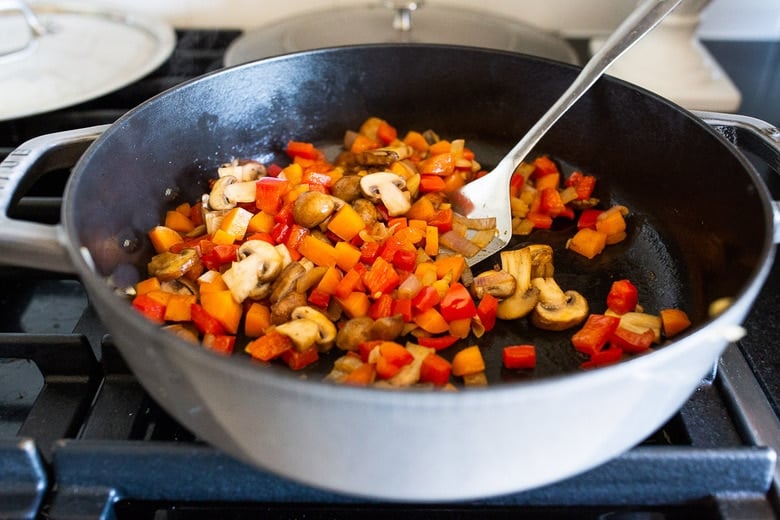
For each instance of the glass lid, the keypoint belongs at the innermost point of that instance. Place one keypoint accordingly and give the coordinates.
(396, 22)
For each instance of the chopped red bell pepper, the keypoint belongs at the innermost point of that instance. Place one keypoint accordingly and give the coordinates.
(381, 278)
(149, 307)
(302, 149)
(318, 298)
(205, 322)
(516, 184)
(540, 220)
(519, 356)
(603, 357)
(314, 179)
(588, 218)
(214, 256)
(390, 247)
(268, 193)
(550, 202)
(630, 341)
(435, 369)
(583, 184)
(297, 360)
(382, 307)
(369, 251)
(405, 260)
(403, 307)
(442, 219)
(437, 342)
(623, 296)
(425, 299)
(281, 232)
(273, 170)
(457, 303)
(597, 330)
(487, 310)
(222, 343)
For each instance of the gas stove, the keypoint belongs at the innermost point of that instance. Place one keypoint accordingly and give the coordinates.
(80, 438)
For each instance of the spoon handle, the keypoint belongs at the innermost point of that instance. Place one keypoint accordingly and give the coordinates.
(646, 16)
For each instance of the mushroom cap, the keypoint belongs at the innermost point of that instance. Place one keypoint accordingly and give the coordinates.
(572, 312)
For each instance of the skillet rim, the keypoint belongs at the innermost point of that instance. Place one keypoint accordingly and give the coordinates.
(284, 379)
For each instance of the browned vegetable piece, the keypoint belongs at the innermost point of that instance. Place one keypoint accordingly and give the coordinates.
(347, 188)
(354, 332)
(311, 208)
(169, 266)
(286, 281)
(281, 311)
(387, 328)
(367, 211)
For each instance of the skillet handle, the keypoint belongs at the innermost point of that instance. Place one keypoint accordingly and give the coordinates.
(32, 244)
(755, 136)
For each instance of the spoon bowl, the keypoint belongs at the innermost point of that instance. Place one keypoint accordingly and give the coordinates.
(488, 196)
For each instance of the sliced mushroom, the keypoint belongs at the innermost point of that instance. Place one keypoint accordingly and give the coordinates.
(251, 276)
(387, 327)
(282, 309)
(185, 332)
(311, 208)
(557, 310)
(500, 284)
(217, 197)
(327, 330)
(388, 187)
(268, 257)
(302, 332)
(243, 170)
(518, 263)
(169, 266)
(179, 285)
(285, 282)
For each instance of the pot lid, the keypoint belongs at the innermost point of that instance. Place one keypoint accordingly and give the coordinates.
(57, 55)
(396, 21)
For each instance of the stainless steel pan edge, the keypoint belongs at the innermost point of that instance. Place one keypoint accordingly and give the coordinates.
(407, 445)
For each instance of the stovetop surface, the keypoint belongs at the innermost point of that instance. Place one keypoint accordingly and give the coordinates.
(79, 438)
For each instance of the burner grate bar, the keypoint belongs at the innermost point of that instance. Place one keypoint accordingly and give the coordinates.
(23, 479)
(179, 473)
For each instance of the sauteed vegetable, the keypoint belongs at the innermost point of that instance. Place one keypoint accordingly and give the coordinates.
(364, 254)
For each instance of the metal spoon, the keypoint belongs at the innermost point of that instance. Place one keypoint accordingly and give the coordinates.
(480, 198)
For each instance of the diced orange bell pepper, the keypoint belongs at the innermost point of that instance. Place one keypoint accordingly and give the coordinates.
(178, 308)
(226, 310)
(674, 321)
(430, 320)
(269, 346)
(355, 304)
(178, 222)
(363, 375)
(346, 223)
(163, 238)
(468, 361)
(587, 242)
(257, 320)
(318, 251)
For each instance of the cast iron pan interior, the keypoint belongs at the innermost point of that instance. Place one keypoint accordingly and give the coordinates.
(696, 227)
